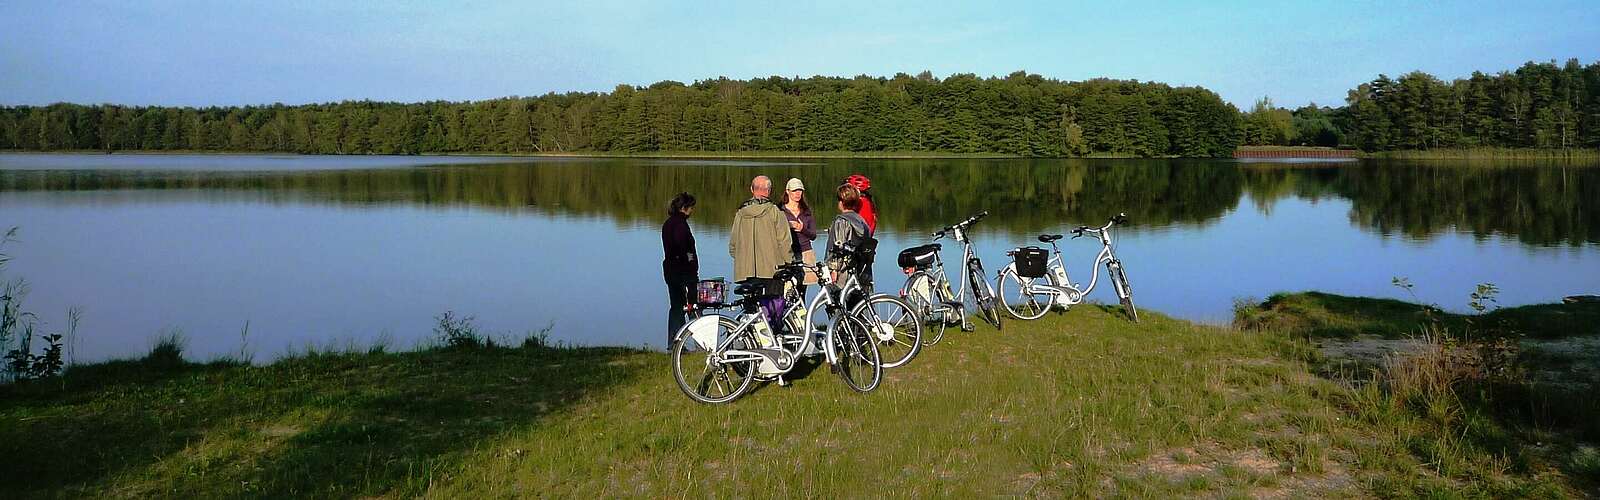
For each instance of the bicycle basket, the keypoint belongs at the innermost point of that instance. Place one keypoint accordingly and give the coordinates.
(760, 287)
(919, 257)
(1031, 262)
(711, 291)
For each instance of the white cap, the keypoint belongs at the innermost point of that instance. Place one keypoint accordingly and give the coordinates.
(795, 185)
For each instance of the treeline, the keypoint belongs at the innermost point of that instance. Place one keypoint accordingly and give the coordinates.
(1540, 105)
(1020, 114)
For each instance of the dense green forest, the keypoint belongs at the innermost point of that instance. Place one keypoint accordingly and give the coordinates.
(1540, 105)
(1020, 114)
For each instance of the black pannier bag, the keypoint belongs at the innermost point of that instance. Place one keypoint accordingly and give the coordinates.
(1031, 262)
(862, 251)
(918, 257)
(759, 287)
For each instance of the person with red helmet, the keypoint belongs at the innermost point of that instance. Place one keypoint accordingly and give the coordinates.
(867, 210)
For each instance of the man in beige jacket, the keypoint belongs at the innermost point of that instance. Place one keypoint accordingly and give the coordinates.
(760, 237)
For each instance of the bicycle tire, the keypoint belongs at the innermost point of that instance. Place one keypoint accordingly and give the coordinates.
(857, 360)
(743, 370)
(922, 293)
(891, 317)
(1126, 297)
(1032, 307)
(982, 294)
(993, 314)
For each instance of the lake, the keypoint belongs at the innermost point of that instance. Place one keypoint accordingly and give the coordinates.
(334, 251)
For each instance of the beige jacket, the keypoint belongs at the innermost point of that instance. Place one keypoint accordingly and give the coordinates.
(760, 239)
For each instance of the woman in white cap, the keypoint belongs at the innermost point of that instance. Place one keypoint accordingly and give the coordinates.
(801, 224)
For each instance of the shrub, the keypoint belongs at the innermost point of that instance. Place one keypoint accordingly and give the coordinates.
(457, 332)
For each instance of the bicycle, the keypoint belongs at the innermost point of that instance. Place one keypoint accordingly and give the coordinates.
(889, 319)
(1041, 283)
(927, 288)
(732, 353)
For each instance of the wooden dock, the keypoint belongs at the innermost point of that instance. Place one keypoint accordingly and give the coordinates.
(1295, 153)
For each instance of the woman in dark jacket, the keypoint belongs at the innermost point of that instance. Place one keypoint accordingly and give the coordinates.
(681, 265)
(802, 225)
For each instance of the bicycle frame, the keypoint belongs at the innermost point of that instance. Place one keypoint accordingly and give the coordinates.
(1106, 257)
(829, 300)
(941, 278)
(1070, 294)
(745, 328)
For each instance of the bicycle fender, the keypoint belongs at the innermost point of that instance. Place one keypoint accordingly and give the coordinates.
(704, 331)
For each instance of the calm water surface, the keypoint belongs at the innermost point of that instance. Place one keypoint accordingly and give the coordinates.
(347, 251)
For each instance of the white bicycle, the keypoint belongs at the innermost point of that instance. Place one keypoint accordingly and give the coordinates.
(927, 289)
(715, 358)
(1036, 282)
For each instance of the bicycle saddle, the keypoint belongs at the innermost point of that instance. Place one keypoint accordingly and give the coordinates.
(1046, 238)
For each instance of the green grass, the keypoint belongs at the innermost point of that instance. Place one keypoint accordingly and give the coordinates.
(1081, 404)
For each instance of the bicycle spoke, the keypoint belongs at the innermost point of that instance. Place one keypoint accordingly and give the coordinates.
(706, 377)
(722, 381)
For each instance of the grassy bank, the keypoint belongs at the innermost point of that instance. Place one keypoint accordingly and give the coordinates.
(1516, 382)
(1073, 405)
(595, 154)
(1324, 315)
(1490, 154)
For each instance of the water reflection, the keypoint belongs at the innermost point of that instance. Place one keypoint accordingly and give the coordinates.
(1539, 205)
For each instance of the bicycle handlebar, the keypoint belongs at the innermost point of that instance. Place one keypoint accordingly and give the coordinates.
(961, 225)
(1120, 218)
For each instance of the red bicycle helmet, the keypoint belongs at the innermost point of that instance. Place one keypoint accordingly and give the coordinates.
(860, 182)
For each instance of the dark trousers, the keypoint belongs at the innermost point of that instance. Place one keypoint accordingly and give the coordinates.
(680, 291)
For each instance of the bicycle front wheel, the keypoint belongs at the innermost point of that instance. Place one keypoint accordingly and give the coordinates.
(894, 327)
(982, 294)
(1124, 291)
(1019, 297)
(857, 359)
(927, 301)
(703, 375)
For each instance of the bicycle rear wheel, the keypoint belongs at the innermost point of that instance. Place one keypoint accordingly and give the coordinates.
(857, 360)
(895, 328)
(1019, 298)
(926, 299)
(700, 372)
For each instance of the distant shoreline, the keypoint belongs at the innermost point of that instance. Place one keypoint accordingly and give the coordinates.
(1244, 152)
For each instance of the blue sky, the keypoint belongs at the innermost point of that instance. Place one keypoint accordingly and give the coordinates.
(221, 53)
